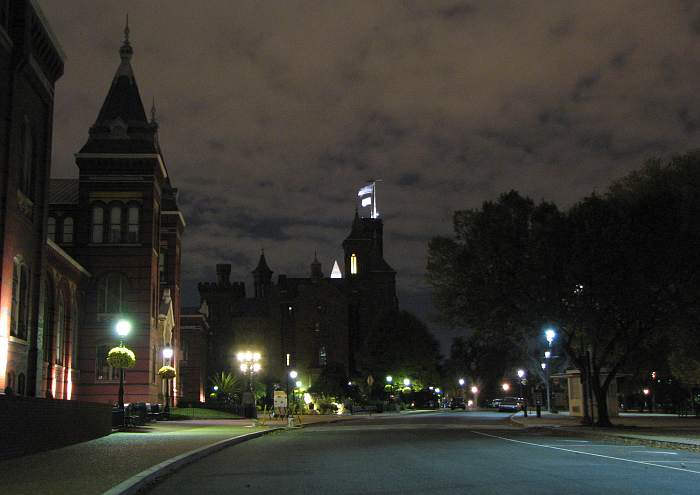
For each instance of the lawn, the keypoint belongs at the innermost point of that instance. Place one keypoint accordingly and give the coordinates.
(199, 413)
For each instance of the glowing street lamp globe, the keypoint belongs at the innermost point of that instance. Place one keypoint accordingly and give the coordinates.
(406, 382)
(167, 352)
(550, 334)
(293, 374)
(244, 367)
(256, 367)
(123, 327)
(461, 382)
(505, 387)
(389, 378)
(521, 373)
(298, 384)
(475, 390)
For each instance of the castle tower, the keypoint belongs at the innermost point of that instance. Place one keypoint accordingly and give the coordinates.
(262, 278)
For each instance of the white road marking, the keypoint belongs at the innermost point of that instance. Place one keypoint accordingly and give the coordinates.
(587, 453)
(591, 445)
(653, 452)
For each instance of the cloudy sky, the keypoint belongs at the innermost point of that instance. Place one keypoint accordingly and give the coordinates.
(274, 113)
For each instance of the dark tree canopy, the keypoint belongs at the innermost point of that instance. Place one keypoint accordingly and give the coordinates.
(612, 273)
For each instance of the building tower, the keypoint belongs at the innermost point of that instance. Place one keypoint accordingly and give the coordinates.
(128, 238)
(262, 278)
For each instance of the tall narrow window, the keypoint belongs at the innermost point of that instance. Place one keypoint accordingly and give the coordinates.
(103, 371)
(68, 230)
(60, 327)
(110, 293)
(20, 301)
(115, 224)
(133, 227)
(162, 264)
(48, 318)
(353, 264)
(51, 229)
(98, 224)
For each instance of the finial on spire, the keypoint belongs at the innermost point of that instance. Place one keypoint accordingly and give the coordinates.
(153, 111)
(126, 30)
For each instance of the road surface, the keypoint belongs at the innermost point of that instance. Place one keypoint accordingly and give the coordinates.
(442, 452)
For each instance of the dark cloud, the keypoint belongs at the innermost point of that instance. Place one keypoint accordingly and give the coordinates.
(272, 114)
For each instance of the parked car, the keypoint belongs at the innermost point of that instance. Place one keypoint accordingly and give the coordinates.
(494, 403)
(511, 404)
(458, 402)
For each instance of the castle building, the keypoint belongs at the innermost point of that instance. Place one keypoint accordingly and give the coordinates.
(304, 323)
(31, 61)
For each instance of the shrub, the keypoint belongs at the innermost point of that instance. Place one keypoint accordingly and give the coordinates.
(167, 372)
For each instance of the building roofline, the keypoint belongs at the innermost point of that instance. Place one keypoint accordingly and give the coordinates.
(67, 257)
(49, 31)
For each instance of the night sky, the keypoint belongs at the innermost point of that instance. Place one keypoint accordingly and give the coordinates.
(273, 114)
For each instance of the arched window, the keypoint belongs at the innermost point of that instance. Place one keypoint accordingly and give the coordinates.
(60, 327)
(110, 293)
(115, 223)
(133, 224)
(68, 230)
(47, 333)
(51, 229)
(20, 300)
(353, 264)
(27, 162)
(98, 224)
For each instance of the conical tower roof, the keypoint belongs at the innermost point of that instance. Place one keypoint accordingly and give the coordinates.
(122, 125)
(262, 268)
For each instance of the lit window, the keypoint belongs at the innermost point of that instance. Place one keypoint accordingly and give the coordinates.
(322, 357)
(353, 264)
(115, 224)
(98, 219)
(68, 230)
(51, 229)
(133, 227)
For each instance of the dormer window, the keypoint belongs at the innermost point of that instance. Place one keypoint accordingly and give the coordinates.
(353, 264)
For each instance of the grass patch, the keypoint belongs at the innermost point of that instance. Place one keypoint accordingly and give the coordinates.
(199, 413)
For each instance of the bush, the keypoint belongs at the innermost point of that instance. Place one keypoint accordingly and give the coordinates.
(327, 407)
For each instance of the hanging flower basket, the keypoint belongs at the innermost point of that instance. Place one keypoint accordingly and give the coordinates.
(167, 372)
(121, 357)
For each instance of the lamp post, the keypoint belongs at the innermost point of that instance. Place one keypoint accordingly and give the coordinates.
(550, 335)
(250, 364)
(475, 391)
(293, 375)
(123, 327)
(167, 357)
(521, 377)
(461, 385)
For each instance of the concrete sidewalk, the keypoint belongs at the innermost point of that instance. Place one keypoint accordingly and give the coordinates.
(659, 430)
(98, 465)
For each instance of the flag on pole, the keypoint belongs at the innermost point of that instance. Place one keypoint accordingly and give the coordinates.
(367, 201)
(368, 189)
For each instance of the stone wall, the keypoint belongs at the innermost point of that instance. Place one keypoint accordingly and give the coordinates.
(29, 424)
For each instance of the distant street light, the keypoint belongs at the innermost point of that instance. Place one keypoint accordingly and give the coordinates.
(505, 387)
(475, 390)
(389, 378)
(298, 383)
(461, 382)
(521, 376)
(167, 356)
(250, 364)
(407, 382)
(521, 373)
(550, 335)
(547, 354)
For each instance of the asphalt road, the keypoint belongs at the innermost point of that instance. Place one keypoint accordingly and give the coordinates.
(447, 452)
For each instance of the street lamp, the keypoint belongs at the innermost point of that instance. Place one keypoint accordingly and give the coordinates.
(550, 335)
(505, 387)
(475, 391)
(250, 364)
(123, 327)
(461, 382)
(521, 376)
(167, 356)
(389, 378)
(292, 374)
(407, 382)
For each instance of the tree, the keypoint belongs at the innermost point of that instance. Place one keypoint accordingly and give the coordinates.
(405, 346)
(332, 382)
(228, 386)
(610, 274)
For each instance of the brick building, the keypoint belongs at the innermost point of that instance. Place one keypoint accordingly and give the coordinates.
(120, 222)
(31, 61)
(194, 341)
(305, 323)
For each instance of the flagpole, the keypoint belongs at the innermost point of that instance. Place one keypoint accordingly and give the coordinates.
(374, 199)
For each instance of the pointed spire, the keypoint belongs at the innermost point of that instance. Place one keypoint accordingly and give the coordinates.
(316, 269)
(153, 111)
(126, 30)
(126, 52)
(336, 273)
(262, 267)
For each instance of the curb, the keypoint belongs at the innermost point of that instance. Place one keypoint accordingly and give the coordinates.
(627, 439)
(139, 481)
